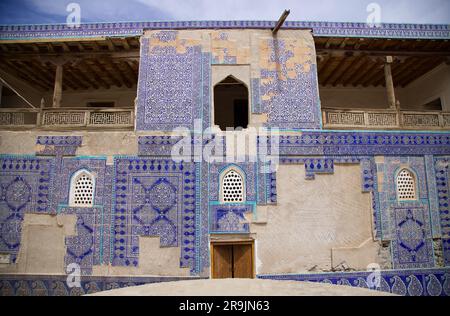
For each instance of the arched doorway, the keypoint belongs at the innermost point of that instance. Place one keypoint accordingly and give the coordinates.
(230, 104)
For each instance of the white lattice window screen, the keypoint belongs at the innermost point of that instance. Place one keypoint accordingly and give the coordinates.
(82, 190)
(233, 187)
(406, 185)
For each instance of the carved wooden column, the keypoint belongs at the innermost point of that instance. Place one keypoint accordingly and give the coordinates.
(57, 91)
(389, 82)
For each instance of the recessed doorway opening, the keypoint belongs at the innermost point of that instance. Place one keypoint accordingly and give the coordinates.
(231, 104)
(232, 260)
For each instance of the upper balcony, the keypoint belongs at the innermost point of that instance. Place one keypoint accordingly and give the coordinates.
(368, 83)
(69, 84)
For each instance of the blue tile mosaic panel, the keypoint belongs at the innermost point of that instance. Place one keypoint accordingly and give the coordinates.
(120, 29)
(443, 188)
(47, 285)
(412, 246)
(26, 185)
(153, 197)
(169, 90)
(229, 218)
(420, 282)
(249, 170)
(332, 143)
(291, 102)
(58, 145)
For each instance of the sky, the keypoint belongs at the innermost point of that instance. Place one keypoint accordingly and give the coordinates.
(392, 11)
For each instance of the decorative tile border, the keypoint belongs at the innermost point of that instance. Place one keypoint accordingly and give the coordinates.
(58, 145)
(443, 193)
(26, 186)
(153, 197)
(335, 29)
(229, 218)
(420, 282)
(55, 285)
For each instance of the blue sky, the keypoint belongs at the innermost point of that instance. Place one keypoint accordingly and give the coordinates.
(392, 11)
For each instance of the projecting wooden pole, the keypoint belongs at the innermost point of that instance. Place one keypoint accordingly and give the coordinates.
(389, 82)
(57, 91)
(280, 21)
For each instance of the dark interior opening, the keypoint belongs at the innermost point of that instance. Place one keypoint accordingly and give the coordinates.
(435, 105)
(230, 104)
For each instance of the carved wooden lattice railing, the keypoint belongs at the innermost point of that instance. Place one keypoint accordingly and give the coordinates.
(384, 119)
(68, 118)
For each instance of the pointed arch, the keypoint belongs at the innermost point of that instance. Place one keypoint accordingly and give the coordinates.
(232, 185)
(231, 105)
(82, 189)
(406, 185)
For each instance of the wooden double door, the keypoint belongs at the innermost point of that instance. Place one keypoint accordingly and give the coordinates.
(232, 260)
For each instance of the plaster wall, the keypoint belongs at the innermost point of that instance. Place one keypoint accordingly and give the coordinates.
(427, 88)
(309, 227)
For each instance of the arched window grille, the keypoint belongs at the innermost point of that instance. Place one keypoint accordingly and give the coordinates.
(82, 188)
(232, 186)
(406, 185)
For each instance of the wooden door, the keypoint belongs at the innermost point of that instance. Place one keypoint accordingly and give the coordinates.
(242, 261)
(232, 260)
(222, 261)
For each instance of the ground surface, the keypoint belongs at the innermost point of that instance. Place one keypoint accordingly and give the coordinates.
(240, 287)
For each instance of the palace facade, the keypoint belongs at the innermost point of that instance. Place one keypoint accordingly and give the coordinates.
(337, 167)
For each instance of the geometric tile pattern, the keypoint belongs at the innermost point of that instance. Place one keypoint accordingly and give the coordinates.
(168, 96)
(90, 246)
(412, 246)
(56, 285)
(153, 197)
(58, 145)
(228, 218)
(247, 169)
(331, 143)
(419, 282)
(290, 92)
(443, 194)
(25, 187)
(341, 29)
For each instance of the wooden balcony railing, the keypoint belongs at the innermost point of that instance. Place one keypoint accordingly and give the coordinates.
(59, 118)
(384, 119)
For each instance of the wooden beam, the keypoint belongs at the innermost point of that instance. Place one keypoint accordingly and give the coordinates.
(8, 67)
(417, 71)
(72, 55)
(390, 90)
(57, 91)
(334, 71)
(356, 70)
(362, 74)
(323, 66)
(411, 69)
(370, 77)
(82, 77)
(350, 67)
(385, 52)
(280, 22)
(84, 65)
(103, 69)
(124, 78)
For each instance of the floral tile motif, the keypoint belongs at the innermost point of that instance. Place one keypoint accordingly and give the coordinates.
(340, 29)
(412, 246)
(26, 185)
(229, 218)
(420, 282)
(153, 197)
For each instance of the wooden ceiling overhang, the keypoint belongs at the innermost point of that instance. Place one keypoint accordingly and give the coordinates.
(90, 63)
(343, 61)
